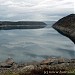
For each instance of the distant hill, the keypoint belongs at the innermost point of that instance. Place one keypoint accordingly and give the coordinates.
(66, 26)
(7, 25)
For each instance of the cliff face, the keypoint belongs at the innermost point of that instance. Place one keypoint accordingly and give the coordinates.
(66, 26)
(7, 25)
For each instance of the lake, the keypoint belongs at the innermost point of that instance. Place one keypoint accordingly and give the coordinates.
(34, 44)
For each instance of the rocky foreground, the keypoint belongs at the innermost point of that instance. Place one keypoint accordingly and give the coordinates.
(50, 66)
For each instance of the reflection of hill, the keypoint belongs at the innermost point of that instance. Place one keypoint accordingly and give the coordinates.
(49, 23)
(6, 25)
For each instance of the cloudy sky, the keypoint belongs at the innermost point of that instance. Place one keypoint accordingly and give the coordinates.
(41, 10)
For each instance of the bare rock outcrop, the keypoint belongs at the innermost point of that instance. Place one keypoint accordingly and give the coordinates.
(8, 63)
(66, 26)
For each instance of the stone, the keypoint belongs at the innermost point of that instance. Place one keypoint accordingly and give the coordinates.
(8, 63)
(49, 61)
(29, 67)
(59, 60)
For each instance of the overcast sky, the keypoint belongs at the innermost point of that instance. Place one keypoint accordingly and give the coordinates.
(41, 10)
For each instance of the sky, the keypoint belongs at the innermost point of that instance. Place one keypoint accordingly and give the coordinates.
(35, 10)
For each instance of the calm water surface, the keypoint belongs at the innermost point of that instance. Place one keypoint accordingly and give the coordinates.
(34, 44)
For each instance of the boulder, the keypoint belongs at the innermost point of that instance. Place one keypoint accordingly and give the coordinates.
(66, 26)
(28, 68)
(8, 63)
(49, 61)
(59, 60)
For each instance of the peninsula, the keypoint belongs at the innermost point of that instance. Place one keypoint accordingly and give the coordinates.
(7, 25)
(66, 26)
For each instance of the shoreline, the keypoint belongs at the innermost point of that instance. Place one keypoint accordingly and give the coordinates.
(49, 66)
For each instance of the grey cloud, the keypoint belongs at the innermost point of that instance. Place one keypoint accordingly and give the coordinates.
(35, 10)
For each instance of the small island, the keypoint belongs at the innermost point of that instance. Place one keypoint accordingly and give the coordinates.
(8, 25)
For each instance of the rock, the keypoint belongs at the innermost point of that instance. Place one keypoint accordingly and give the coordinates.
(50, 61)
(63, 60)
(66, 26)
(8, 63)
(29, 67)
(73, 60)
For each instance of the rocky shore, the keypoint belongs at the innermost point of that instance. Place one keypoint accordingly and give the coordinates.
(50, 66)
(66, 26)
